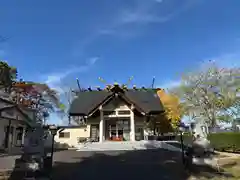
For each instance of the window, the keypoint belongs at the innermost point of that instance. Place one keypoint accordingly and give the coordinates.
(19, 132)
(109, 113)
(138, 130)
(64, 135)
(123, 112)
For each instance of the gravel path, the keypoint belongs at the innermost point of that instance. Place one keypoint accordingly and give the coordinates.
(7, 162)
(118, 165)
(143, 164)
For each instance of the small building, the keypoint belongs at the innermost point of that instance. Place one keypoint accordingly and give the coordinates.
(70, 135)
(116, 114)
(14, 121)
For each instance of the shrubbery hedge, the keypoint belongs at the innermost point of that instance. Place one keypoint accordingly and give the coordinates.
(227, 141)
(187, 138)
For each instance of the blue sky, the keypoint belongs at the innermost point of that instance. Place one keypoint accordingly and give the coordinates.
(56, 41)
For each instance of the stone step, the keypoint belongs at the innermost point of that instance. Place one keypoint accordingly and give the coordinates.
(138, 145)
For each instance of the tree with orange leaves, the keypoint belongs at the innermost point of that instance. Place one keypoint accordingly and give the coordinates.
(173, 111)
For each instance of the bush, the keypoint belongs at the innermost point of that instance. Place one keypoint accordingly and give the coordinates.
(82, 139)
(226, 141)
(187, 138)
(61, 146)
(167, 137)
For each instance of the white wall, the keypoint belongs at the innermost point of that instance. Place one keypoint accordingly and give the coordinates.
(75, 133)
(116, 104)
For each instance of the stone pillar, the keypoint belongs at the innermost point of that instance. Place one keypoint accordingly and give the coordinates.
(23, 134)
(101, 125)
(14, 136)
(132, 125)
(11, 137)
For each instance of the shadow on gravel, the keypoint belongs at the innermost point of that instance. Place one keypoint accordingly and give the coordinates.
(47, 150)
(143, 164)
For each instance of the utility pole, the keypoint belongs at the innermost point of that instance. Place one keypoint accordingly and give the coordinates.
(78, 84)
(153, 82)
(69, 100)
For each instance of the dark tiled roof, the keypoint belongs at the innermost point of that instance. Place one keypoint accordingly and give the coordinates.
(148, 101)
(9, 104)
(4, 106)
(86, 102)
(4, 103)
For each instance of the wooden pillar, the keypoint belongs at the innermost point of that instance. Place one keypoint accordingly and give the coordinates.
(23, 135)
(101, 125)
(132, 125)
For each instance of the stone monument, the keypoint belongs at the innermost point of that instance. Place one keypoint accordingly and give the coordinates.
(34, 141)
(200, 145)
(32, 160)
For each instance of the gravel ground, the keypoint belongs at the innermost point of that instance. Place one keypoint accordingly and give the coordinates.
(118, 165)
(7, 162)
(142, 164)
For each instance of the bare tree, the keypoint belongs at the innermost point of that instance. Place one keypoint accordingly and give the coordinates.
(211, 93)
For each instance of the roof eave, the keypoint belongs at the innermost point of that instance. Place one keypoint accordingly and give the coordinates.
(90, 113)
(155, 112)
(29, 121)
(77, 114)
(134, 104)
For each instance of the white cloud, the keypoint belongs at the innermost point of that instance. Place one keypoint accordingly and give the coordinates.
(93, 60)
(131, 21)
(54, 80)
(138, 17)
(106, 31)
(159, 1)
(169, 84)
(224, 60)
(143, 13)
(228, 60)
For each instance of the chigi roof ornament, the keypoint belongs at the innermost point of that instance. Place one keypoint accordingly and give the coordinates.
(135, 87)
(125, 87)
(98, 88)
